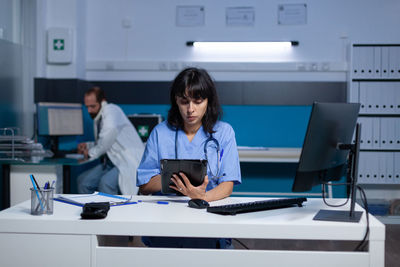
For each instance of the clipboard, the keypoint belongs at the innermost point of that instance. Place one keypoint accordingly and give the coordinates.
(97, 197)
(194, 169)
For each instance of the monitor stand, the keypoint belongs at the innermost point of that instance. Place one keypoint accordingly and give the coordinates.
(352, 174)
(54, 146)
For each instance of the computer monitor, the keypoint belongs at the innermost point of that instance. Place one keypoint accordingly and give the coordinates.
(325, 154)
(144, 124)
(59, 119)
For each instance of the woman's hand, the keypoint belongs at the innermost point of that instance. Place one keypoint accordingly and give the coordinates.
(186, 188)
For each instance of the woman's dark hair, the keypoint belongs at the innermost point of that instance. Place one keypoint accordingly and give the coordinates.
(197, 84)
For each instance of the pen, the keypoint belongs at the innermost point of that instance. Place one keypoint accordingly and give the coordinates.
(222, 153)
(36, 183)
(36, 190)
(46, 185)
(52, 183)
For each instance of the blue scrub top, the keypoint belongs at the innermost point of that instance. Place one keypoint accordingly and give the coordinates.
(161, 145)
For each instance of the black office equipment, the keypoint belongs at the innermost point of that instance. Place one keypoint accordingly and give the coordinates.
(324, 157)
(233, 209)
(97, 210)
(194, 169)
(198, 203)
(144, 124)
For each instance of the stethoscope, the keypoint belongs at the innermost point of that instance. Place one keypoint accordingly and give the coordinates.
(209, 139)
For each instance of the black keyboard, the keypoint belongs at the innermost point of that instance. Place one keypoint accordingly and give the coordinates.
(233, 209)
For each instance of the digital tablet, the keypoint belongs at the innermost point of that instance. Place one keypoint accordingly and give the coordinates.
(194, 169)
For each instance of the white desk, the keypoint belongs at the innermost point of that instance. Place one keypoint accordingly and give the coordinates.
(62, 239)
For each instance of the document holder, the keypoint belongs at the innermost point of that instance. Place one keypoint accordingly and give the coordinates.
(194, 169)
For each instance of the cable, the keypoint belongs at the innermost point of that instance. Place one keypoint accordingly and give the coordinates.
(361, 246)
(324, 193)
(241, 243)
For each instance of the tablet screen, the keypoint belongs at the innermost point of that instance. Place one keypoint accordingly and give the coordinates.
(194, 169)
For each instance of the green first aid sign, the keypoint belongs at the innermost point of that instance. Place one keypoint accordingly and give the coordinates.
(58, 44)
(143, 130)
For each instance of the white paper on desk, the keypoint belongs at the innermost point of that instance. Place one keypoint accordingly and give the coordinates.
(90, 198)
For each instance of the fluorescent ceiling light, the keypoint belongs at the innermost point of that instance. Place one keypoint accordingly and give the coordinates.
(242, 45)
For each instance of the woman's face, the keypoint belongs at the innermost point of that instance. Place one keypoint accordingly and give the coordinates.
(192, 110)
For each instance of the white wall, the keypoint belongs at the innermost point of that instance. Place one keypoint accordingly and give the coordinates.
(153, 48)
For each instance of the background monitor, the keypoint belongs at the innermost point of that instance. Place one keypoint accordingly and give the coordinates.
(59, 119)
(321, 160)
(144, 124)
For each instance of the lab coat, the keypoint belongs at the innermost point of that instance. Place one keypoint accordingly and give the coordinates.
(119, 139)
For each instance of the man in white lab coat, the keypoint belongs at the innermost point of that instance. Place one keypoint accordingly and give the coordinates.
(117, 144)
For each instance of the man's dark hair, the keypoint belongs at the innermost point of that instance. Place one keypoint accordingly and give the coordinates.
(197, 84)
(98, 92)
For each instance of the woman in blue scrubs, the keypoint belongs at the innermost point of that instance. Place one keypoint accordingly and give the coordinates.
(193, 128)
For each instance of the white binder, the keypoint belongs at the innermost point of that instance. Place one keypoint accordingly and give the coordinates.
(393, 61)
(356, 62)
(375, 98)
(388, 128)
(376, 132)
(367, 63)
(366, 133)
(389, 97)
(390, 168)
(397, 134)
(385, 62)
(381, 167)
(396, 89)
(373, 167)
(361, 168)
(397, 167)
(377, 62)
(363, 97)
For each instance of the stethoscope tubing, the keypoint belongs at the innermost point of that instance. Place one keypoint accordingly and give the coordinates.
(209, 139)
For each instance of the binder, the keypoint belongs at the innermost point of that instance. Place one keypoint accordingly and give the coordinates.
(373, 162)
(367, 61)
(393, 61)
(396, 93)
(377, 62)
(385, 62)
(376, 132)
(361, 168)
(384, 133)
(390, 168)
(381, 158)
(366, 133)
(356, 62)
(397, 167)
(390, 97)
(391, 132)
(397, 66)
(363, 97)
(375, 98)
(397, 134)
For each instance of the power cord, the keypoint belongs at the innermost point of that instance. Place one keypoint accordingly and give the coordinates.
(362, 245)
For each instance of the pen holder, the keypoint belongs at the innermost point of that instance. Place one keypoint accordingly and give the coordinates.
(42, 201)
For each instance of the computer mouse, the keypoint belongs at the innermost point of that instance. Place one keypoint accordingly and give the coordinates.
(198, 203)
